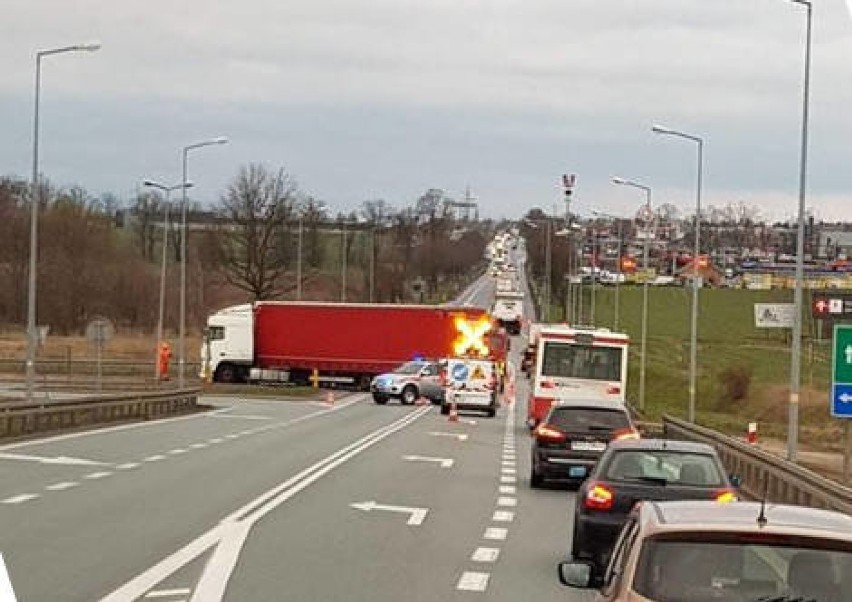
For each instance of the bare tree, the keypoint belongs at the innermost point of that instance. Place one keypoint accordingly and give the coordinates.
(256, 206)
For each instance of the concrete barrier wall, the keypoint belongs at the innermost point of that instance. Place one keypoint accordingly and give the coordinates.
(26, 418)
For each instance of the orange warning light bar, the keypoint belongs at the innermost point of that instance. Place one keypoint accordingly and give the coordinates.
(471, 337)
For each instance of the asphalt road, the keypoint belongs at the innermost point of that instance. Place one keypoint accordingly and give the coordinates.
(286, 500)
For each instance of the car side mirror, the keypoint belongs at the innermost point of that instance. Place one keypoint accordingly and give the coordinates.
(736, 480)
(576, 574)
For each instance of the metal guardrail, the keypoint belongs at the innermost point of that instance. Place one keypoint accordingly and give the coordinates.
(765, 474)
(88, 367)
(19, 418)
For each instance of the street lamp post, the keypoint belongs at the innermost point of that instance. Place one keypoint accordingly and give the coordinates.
(167, 190)
(646, 245)
(618, 270)
(795, 358)
(32, 334)
(184, 233)
(343, 265)
(693, 333)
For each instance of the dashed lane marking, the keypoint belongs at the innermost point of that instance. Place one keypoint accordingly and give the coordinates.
(509, 502)
(20, 499)
(485, 554)
(176, 452)
(93, 476)
(62, 486)
(155, 458)
(127, 466)
(508, 489)
(473, 582)
(503, 516)
(495, 533)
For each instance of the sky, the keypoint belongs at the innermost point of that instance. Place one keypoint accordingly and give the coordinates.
(366, 99)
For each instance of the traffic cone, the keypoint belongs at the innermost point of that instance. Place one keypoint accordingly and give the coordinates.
(751, 434)
(329, 398)
(454, 413)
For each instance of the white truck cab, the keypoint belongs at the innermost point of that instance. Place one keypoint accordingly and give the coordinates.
(228, 348)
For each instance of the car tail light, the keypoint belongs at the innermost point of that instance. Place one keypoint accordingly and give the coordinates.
(725, 496)
(599, 497)
(548, 384)
(549, 433)
(624, 434)
(613, 390)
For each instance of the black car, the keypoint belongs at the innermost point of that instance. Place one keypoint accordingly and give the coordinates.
(571, 438)
(644, 469)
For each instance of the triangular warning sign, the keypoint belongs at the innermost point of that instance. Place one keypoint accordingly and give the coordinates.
(7, 594)
(478, 372)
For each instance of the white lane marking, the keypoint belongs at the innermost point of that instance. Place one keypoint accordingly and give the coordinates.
(161, 421)
(127, 466)
(92, 476)
(216, 440)
(416, 515)
(155, 458)
(176, 452)
(495, 533)
(243, 416)
(228, 540)
(485, 554)
(19, 499)
(248, 432)
(473, 582)
(459, 436)
(61, 460)
(509, 463)
(62, 486)
(508, 489)
(168, 593)
(444, 462)
(509, 502)
(232, 436)
(503, 516)
(505, 470)
(7, 594)
(103, 431)
(198, 445)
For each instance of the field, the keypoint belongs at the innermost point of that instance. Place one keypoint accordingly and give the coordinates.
(732, 353)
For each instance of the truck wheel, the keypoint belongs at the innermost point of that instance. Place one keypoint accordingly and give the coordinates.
(445, 409)
(491, 412)
(409, 395)
(225, 373)
(380, 399)
(364, 382)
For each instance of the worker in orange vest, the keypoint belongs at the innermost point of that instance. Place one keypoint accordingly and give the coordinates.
(165, 354)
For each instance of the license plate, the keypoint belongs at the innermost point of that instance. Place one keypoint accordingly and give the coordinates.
(588, 445)
(577, 471)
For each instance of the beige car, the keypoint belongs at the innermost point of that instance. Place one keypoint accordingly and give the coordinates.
(703, 551)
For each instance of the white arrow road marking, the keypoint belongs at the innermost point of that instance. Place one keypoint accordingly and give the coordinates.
(418, 515)
(444, 462)
(7, 594)
(845, 398)
(459, 436)
(61, 460)
(227, 538)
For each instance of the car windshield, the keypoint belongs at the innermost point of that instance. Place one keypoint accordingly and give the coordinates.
(680, 468)
(696, 570)
(578, 420)
(568, 360)
(410, 368)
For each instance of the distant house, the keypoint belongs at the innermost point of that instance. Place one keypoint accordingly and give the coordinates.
(709, 274)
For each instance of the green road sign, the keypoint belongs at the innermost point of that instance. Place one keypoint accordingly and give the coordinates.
(842, 359)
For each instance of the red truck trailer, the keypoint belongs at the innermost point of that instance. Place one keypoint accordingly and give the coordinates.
(332, 343)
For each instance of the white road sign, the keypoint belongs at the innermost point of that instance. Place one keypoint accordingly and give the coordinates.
(774, 315)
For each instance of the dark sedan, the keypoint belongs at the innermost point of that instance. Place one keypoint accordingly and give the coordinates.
(644, 469)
